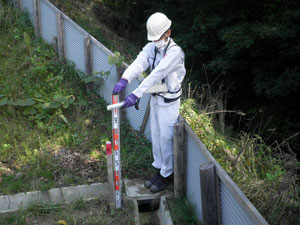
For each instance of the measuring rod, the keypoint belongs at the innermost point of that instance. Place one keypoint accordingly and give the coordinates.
(116, 148)
(115, 108)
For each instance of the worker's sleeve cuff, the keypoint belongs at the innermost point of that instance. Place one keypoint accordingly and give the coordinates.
(137, 93)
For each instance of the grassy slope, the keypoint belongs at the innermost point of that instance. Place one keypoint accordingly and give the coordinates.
(77, 10)
(41, 146)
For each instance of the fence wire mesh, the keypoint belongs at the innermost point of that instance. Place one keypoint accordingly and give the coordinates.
(48, 22)
(135, 117)
(28, 5)
(147, 131)
(74, 44)
(100, 64)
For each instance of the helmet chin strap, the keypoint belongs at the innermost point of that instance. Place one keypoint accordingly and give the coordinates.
(165, 34)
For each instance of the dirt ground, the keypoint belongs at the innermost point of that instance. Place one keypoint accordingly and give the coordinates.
(87, 168)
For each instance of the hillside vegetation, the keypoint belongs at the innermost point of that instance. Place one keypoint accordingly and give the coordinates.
(50, 125)
(52, 132)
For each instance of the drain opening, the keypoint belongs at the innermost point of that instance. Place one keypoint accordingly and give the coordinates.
(148, 211)
(148, 205)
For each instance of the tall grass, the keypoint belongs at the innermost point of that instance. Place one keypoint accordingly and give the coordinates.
(46, 142)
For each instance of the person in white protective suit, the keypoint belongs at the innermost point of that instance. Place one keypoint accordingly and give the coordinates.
(166, 61)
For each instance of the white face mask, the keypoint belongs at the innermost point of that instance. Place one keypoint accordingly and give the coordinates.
(160, 44)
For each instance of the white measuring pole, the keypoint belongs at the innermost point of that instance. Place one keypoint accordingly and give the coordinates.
(116, 148)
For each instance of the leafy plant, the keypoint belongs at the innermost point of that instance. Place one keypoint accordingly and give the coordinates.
(117, 59)
(96, 77)
(100, 77)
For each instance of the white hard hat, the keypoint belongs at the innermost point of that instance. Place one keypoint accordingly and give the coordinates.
(157, 25)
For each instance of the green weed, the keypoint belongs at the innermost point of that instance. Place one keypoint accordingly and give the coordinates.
(136, 154)
(79, 204)
(13, 184)
(15, 219)
(182, 212)
(38, 209)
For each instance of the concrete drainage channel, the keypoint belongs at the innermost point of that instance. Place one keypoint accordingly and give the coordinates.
(149, 208)
(153, 211)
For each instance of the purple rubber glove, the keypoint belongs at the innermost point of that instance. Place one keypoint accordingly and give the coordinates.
(130, 100)
(120, 86)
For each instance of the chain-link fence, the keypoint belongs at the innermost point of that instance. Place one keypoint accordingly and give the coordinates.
(59, 30)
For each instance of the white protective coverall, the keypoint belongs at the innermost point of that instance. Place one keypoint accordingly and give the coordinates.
(169, 64)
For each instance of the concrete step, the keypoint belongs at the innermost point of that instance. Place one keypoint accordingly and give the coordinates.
(135, 189)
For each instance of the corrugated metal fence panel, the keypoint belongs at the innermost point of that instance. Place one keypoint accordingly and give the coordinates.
(231, 212)
(100, 64)
(28, 5)
(48, 22)
(195, 158)
(74, 43)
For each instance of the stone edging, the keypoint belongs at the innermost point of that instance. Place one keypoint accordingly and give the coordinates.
(12, 203)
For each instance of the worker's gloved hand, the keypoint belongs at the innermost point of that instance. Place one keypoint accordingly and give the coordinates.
(130, 100)
(120, 86)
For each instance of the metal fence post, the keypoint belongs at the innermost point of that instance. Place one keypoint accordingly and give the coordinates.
(208, 194)
(179, 159)
(146, 117)
(60, 35)
(88, 55)
(37, 17)
(19, 4)
(88, 60)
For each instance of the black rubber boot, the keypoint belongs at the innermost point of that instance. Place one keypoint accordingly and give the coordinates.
(149, 183)
(160, 184)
